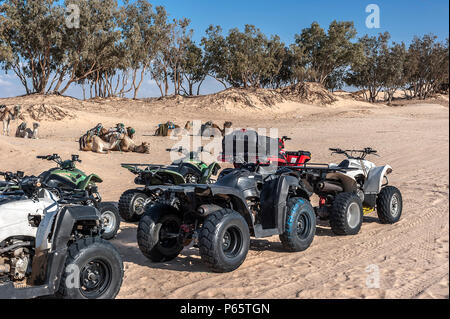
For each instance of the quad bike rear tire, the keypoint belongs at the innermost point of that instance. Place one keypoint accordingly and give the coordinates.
(389, 205)
(131, 205)
(300, 226)
(346, 214)
(156, 233)
(110, 216)
(224, 240)
(93, 270)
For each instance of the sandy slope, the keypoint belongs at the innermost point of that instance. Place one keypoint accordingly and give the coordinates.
(412, 255)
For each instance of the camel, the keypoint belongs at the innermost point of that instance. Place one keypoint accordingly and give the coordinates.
(7, 115)
(86, 139)
(122, 143)
(167, 129)
(24, 132)
(209, 129)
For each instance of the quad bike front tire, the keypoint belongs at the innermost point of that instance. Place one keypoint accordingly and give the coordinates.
(389, 205)
(132, 205)
(224, 241)
(109, 214)
(93, 270)
(300, 226)
(158, 231)
(346, 214)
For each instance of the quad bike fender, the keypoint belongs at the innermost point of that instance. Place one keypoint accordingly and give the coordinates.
(93, 178)
(348, 182)
(237, 200)
(211, 170)
(375, 178)
(48, 261)
(178, 178)
(274, 196)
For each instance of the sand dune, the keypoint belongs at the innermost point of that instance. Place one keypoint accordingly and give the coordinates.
(412, 256)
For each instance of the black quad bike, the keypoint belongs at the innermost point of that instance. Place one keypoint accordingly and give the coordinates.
(74, 183)
(189, 169)
(220, 218)
(49, 246)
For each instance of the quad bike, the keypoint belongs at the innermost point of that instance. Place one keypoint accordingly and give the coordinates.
(188, 170)
(72, 182)
(49, 246)
(220, 218)
(266, 150)
(359, 187)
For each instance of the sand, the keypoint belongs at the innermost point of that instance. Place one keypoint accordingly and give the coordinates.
(412, 256)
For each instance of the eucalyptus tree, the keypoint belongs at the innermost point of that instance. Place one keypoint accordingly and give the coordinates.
(327, 52)
(367, 72)
(193, 69)
(31, 34)
(427, 65)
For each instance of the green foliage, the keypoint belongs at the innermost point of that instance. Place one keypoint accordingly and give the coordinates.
(115, 47)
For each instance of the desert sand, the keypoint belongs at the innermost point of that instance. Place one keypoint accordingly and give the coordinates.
(412, 256)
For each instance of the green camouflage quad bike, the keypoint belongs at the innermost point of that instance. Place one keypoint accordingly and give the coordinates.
(69, 180)
(188, 170)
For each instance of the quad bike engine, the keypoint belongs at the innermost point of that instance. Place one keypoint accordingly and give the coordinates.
(15, 263)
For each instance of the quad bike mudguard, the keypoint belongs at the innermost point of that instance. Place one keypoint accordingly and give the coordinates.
(274, 196)
(94, 178)
(177, 178)
(48, 263)
(374, 181)
(348, 182)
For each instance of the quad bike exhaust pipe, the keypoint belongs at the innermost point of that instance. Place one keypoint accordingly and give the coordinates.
(206, 210)
(328, 187)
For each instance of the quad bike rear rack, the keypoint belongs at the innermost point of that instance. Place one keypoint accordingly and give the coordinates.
(138, 168)
(319, 169)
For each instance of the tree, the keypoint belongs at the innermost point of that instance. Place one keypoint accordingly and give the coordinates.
(368, 71)
(427, 65)
(193, 68)
(327, 52)
(31, 40)
(394, 69)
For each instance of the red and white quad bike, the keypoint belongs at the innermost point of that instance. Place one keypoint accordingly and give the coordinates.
(361, 188)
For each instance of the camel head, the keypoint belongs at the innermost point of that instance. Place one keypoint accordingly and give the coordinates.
(130, 132)
(17, 109)
(144, 148)
(227, 125)
(188, 125)
(22, 126)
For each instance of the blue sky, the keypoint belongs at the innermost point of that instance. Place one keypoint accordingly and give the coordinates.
(403, 19)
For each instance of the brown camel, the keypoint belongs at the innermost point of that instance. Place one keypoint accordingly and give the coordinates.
(210, 129)
(24, 132)
(7, 115)
(122, 144)
(167, 129)
(86, 139)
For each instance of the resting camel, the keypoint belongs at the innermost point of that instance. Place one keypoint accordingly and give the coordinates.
(210, 129)
(122, 144)
(7, 115)
(167, 129)
(24, 132)
(99, 130)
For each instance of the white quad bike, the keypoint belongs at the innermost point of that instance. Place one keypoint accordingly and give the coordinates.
(360, 188)
(49, 248)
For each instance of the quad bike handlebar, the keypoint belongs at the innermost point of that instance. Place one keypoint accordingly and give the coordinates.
(355, 154)
(191, 154)
(57, 159)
